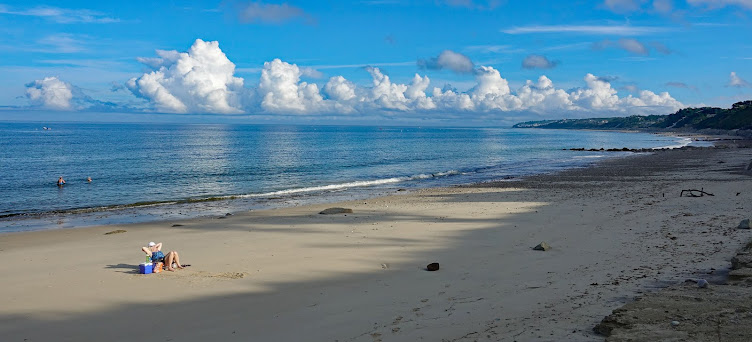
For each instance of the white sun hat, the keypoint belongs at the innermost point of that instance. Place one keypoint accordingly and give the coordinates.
(152, 244)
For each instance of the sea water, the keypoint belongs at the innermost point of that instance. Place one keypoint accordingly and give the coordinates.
(144, 172)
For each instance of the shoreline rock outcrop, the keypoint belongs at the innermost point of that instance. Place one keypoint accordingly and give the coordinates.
(689, 311)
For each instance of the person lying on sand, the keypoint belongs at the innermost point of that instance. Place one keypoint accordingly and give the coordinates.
(154, 250)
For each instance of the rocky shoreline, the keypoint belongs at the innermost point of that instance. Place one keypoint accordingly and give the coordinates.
(694, 310)
(637, 150)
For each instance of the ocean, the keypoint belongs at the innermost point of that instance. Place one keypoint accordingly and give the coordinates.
(149, 172)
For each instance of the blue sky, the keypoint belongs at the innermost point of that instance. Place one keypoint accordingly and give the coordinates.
(440, 61)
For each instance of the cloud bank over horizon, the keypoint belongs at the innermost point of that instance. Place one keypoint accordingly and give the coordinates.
(202, 80)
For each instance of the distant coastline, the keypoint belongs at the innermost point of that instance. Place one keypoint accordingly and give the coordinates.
(736, 120)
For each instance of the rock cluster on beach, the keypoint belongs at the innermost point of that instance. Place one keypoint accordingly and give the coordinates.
(627, 149)
(691, 311)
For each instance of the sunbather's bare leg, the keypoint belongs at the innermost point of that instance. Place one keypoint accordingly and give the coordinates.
(177, 259)
(168, 261)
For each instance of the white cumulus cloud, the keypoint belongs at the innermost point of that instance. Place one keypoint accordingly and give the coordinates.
(416, 92)
(597, 95)
(342, 95)
(385, 94)
(648, 100)
(200, 80)
(50, 93)
(340, 89)
(543, 97)
(281, 91)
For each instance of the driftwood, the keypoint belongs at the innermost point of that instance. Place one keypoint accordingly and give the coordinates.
(693, 193)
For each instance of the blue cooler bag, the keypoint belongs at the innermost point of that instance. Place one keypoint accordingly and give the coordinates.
(145, 268)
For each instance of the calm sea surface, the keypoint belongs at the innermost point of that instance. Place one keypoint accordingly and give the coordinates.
(147, 172)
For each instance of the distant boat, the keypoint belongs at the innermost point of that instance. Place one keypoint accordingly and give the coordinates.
(46, 128)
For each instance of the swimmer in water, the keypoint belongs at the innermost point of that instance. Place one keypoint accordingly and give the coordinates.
(88, 179)
(60, 181)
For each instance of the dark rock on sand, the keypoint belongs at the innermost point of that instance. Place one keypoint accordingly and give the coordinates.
(116, 232)
(331, 211)
(434, 266)
(543, 246)
(744, 224)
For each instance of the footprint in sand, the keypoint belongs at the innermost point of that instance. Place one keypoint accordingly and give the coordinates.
(223, 275)
(229, 275)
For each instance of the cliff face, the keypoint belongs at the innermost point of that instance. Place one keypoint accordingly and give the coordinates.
(738, 117)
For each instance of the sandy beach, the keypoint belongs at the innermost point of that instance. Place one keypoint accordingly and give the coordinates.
(616, 230)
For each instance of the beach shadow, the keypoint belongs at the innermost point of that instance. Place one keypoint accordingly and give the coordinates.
(124, 268)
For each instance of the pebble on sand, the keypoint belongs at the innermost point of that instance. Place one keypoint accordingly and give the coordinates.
(744, 224)
(543, 246)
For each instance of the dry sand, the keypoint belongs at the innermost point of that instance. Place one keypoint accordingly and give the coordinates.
(616, 230)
